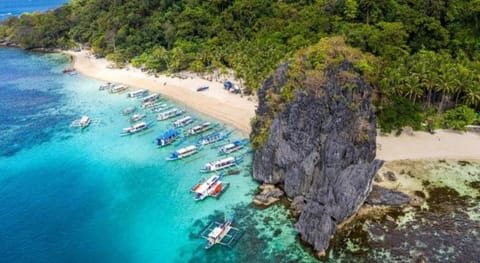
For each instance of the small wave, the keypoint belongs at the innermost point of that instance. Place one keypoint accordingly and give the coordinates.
(6, 14)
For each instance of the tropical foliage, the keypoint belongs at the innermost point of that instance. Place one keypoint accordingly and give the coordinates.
(428, 51)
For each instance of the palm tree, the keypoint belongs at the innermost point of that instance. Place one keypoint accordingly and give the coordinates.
(472, 94)
(447, 82)
(412, 87)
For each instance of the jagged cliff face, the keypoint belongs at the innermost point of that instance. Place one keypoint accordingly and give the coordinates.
(320, 146)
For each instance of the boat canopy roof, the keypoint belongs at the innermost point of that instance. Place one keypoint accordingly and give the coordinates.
(206, 185)
(186, 118)
(187, 149)
(215, 232)
(213, 135)
(150, 97)
(201, 126)
(168, 134)
(140, 124)
(169, 111)
(225, 160)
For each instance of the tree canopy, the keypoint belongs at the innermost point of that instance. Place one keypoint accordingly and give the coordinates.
(428, 51)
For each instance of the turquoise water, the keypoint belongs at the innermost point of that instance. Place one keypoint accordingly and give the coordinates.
(18, 7)
(93, 196)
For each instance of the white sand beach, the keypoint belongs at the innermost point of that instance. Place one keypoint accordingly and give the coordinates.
(444, 144)
(237, 111)
(216, 102)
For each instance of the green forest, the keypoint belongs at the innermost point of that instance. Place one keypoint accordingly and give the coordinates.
(426, 74)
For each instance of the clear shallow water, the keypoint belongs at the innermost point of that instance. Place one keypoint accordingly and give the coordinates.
(18, 7)
(93, 196)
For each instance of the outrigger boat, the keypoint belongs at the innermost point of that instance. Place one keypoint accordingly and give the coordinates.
(213, 186)
(82, 123)
(138, 93)
(183, 121)
(232, 147)
(152, 97)
(128, 110)
(136, 117)
(159, 107)
(221, 164)
(200, 128)
(167, 137)
(151, 104)
(118, 89)
(106, 86)
(221, 233)
(137, 128)
(183, 152)
(213, 137)
(170, 114)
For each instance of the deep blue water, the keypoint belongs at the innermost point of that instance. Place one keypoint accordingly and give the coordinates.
(18, 7)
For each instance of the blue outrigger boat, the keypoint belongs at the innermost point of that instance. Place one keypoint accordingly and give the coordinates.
(213, 137)
(167, 137)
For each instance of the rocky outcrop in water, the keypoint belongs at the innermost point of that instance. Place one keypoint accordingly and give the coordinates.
(321, 147)
(388, 197)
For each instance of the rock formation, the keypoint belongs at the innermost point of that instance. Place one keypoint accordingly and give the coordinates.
(320, 145)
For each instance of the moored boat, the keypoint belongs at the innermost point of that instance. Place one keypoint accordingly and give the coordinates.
(137, 128)
(151, 104)
(152, 97)
(213, 186)
(106, 86)
(200, 128)
(82, 123)
(167, 137)
(170, 114)
(138, 93)
(128, 110)
(183, 152)
(221, 164)
(183, 121)
(137, 116)
(205, 183)
(159, 107)
(118, 89)
(219, 232)
(232, 147)
(213, 137)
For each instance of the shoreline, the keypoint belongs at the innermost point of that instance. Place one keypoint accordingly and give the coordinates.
(216, 102)
(443, 144)
(237, 111)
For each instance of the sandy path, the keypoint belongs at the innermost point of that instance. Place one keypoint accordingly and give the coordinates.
(216, 102)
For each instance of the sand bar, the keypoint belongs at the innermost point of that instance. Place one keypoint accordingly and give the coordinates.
(216, 102)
